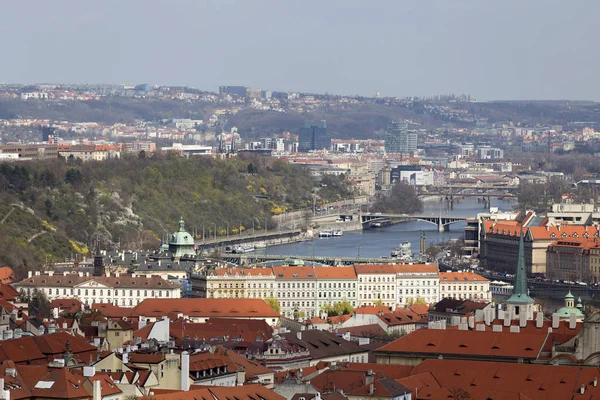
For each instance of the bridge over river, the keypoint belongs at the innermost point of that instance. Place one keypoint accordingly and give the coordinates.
(443, 222)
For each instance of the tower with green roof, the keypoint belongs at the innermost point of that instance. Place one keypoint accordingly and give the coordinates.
(570, 308)
(520, 302)
(181, 242)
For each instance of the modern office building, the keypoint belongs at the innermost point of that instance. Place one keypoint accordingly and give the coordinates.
(314, 136)
(399, 139)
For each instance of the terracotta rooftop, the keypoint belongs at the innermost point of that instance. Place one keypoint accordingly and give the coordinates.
(294, 272)
(374, 269)
(529, 381)
(335, 273)
(202, 307)
(452, 277)
(469, 343)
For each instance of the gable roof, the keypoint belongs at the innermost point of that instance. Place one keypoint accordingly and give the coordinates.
(469, 343)
(203, 307)
(322, 344)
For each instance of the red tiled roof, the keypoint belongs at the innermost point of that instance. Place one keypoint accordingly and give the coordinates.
(335, 273)
(246, 392)
(534, 381)
(7, 292)
(450, 277)
(374, 269)
(473, 343)
(199, 307)
(7, 275)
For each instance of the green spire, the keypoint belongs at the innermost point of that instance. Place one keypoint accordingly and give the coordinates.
(520, 295)
(181, 225)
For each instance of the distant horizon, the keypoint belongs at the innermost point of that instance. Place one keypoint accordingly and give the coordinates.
(510, 50)
(299, 91)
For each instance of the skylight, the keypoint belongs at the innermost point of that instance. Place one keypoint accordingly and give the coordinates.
(44, 384)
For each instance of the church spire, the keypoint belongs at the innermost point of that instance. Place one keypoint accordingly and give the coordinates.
(181, 225)
(520, 295)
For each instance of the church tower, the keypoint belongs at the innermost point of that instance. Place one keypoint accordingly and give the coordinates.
(98, 261)
(520, 302)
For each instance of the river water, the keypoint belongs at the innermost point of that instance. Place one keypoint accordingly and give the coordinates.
(378, 242)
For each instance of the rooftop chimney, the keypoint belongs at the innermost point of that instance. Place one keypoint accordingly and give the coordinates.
(582, 389)
(515, 329)
(29, 274)
(555, 321)
(572, 321)
(299, 335)
(522, 319)
(497, 328)
(539, 321)
(372, 389)
(185, 371)
(471, 322)
(507, 319)
(500, 313)
(97, 390)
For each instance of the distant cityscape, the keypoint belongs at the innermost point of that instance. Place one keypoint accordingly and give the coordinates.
(499, 301)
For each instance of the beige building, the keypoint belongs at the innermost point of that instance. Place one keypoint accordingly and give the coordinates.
(121, 290)
(118, 331)
(256, 283)
(464, 286)
(376, 283)
(574, 259)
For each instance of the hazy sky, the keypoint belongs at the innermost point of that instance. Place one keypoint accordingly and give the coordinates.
(500, 49)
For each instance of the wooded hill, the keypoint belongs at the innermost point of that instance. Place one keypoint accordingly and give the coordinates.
(53, 209)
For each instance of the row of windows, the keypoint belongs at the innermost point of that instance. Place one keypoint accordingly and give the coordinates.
(239, 285)
(378, 279)
(430, 282)
(297, 304)
(378, 296)
(295, 294)
(418, 291)
(93, 292)
(453, 287)
(336, 285)
(369, 288)
(335, 294)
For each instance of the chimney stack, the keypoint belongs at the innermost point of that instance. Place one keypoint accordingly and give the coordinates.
(555, 321)
(299, 335)
(97, 390)
(539, 321)
(572, 321)
(522, 319)
(507, 318)
(471, 322)
(185, 371)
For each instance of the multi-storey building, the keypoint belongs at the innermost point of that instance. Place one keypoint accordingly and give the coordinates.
(258, 283)
(499, 243)
(574, 259)
(398, 139)
(417, 281)
(464, 286)
(297, 291)
(376, 284)
(335, 284)
(29, 151)
(314, 136)
(122, 290)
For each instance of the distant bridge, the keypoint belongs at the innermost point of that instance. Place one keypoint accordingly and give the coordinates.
(250, 258)
(469, 191)
(443, 222)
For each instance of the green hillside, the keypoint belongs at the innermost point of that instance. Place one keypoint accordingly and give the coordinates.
(51, 210)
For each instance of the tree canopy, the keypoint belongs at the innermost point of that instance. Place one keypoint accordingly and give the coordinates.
(402, 200)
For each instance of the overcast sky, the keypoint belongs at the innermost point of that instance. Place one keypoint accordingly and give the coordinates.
(501, 49)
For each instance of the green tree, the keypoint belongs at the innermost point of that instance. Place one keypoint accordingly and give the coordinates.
(339, 308)
(402, 200)
(378, 303)
(252, 169)
(39, 305)
(274, 304)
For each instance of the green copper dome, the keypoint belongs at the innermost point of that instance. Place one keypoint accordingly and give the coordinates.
(181, 242)
(181, 237)
(568, 309)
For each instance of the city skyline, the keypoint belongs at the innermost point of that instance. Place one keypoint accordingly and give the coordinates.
(503, 51)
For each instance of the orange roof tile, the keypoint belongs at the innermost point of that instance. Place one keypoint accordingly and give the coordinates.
(202, 307)
(374, 269)
(335, 273)
(449, 277)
